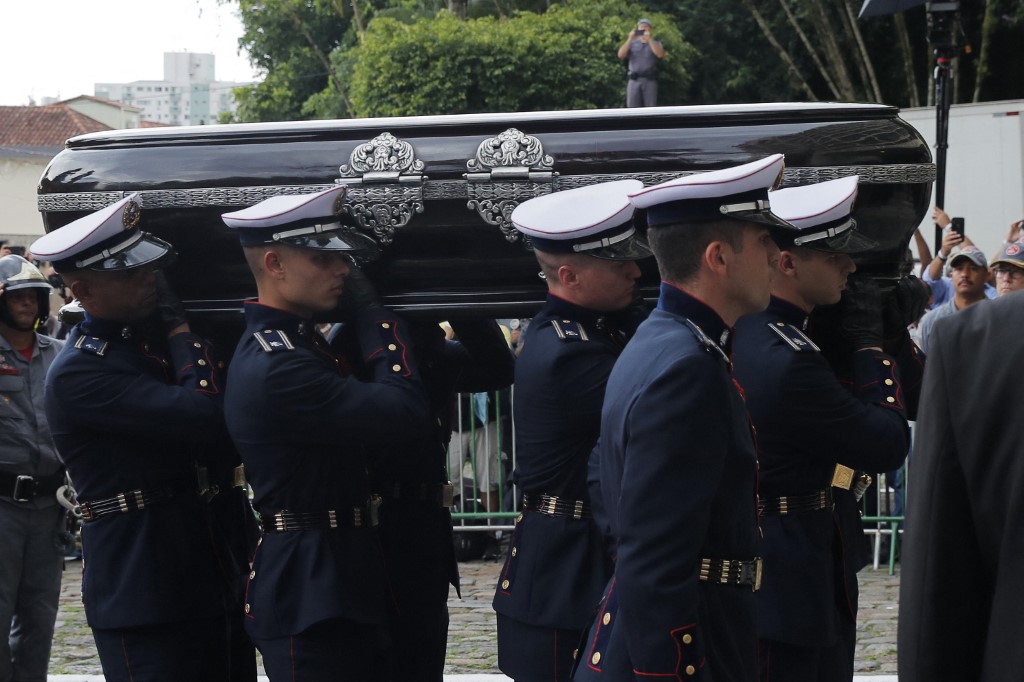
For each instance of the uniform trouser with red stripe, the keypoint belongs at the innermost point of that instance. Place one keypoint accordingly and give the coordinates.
(334, 650)
(204, 650)
(528, 653)
(782, 662)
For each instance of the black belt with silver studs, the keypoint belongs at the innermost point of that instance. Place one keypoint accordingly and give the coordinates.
(794, 504)
(731, 572)
(551, 505)
(286, 521)
(126, 502)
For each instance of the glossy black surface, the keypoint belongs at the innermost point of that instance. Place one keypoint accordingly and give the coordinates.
(447, 259)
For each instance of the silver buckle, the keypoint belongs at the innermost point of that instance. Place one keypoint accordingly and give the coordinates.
(17, 495)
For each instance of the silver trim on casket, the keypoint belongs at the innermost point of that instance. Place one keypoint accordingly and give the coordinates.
(382, 201)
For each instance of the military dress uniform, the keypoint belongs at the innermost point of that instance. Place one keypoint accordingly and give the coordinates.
(675, 465)
(318, 601)
(816, 437)
(820, 427)
(132, 425)
(674, 420)
(137, 418)
(416, 496)
(558, 562)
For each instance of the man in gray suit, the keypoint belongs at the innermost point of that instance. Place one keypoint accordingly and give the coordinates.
(960, 593)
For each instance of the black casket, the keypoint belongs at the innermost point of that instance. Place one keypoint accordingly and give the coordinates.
(436, 192)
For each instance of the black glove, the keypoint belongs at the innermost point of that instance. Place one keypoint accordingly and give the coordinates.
(903, 306)
(427, 340)
(169, 308)
(911, 298)
(359, 293)
(860, 313)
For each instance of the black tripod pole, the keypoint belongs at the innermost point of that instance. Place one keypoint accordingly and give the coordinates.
(943, 100)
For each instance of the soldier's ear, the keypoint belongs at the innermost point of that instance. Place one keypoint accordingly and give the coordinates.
(567, 276)
(273, 264)
(716, 258)
(80, 289)
(787, 263)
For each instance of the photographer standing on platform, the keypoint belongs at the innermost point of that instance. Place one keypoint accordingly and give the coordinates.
(644, 52)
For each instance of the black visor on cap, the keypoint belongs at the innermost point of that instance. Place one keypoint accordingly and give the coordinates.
(634, 248)
(329, 237)
(839, 237)
(618, 243)
(747, 206)
(145, 249)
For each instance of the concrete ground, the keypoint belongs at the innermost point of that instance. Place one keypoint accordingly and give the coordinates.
(472, 647)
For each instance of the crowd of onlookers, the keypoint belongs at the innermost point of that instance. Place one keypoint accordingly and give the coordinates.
(959, 275)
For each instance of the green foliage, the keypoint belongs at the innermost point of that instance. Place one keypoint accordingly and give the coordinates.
(290, 41)
(523, 55)
(561, 59)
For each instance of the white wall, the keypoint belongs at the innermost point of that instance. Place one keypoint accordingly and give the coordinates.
(19, 180)
(984, 168)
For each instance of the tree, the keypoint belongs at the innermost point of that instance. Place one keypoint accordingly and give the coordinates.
(291, 42)
(563, 58)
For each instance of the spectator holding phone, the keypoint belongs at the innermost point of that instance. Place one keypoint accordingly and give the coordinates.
(942, 285)
(643, 52)
(969, 277)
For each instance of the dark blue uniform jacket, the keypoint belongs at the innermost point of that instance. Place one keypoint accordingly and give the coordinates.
(417, 533)
(807, 421)
(559, 567)
(678, 476)
(302, 426)
(132, 410)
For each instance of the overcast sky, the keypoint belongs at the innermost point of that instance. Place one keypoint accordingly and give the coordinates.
(60, 48)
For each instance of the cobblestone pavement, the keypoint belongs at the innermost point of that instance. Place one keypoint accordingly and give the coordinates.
(472, 646)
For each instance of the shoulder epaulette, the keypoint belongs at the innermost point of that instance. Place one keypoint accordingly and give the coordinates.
(570, 330)
(273, 340)
(705, 341)
(793, 337)
(92, 344)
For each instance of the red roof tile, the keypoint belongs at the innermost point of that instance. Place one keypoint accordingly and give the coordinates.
(48, 126)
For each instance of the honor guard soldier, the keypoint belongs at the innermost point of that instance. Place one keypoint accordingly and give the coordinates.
(135, 406)
(676, 458)
(558, 564)
(31, 522)
(317, 601)
(817, 434)
(416, 496)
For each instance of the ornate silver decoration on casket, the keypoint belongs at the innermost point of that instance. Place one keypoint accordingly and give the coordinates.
(385, 185)
(508, 169)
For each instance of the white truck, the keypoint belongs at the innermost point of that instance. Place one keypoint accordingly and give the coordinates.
(984, 170)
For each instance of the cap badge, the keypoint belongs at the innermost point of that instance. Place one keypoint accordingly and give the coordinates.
(130, 215)
(1012, 250)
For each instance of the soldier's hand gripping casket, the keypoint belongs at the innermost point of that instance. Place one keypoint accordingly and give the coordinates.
(902, 306)
(860, 314)
(169, 307)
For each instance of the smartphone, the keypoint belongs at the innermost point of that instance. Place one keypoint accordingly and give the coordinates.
(958, 225)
